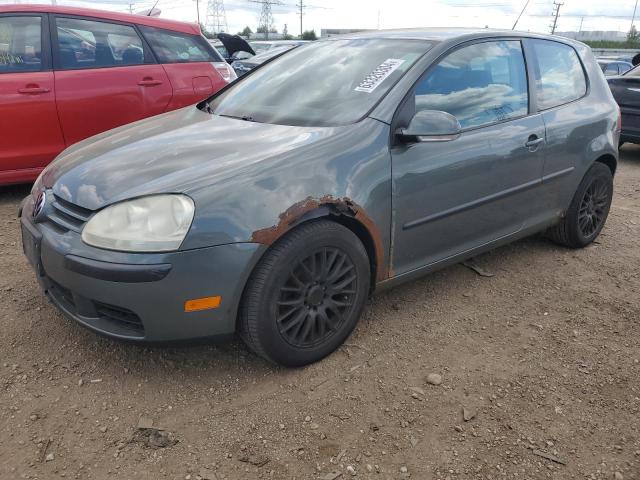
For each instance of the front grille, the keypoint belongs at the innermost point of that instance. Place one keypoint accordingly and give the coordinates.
(65, 216)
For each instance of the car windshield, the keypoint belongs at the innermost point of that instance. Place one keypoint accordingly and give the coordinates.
(273, 52)
(328, 83)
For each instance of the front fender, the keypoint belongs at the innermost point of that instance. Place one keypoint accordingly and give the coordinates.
(348, 173)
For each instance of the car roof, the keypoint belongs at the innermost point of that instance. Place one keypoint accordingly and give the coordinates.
(183, 27)
(448, 34)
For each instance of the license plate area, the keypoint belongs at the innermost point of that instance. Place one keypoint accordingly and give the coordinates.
(31, 245)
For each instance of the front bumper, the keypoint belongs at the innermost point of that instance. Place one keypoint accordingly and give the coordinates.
(138, 297)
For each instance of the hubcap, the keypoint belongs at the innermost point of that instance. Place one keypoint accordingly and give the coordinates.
(593, 208)
(317, 297)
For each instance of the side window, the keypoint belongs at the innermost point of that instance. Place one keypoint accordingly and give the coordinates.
(480, 84)
(20, 44)
(89, 44)
(175, 47)
(611, 69)
(561, 78)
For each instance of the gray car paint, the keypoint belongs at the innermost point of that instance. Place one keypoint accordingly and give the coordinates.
(251, 182)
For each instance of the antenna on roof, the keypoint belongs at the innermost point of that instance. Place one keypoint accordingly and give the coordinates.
(518, 19)
(152, 8)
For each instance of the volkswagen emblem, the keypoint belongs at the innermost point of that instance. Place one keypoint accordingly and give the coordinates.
(41, 200)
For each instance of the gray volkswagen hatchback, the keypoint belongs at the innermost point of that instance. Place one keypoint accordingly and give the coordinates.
(277, 206)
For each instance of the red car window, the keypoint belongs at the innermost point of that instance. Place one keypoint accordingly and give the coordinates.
(89, 44)
(20, 44)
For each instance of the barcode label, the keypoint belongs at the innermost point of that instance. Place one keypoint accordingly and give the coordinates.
(382, 72)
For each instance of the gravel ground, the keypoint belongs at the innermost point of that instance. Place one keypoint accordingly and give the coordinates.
(544, 356)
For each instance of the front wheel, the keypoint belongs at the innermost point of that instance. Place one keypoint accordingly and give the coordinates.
(306, 295)
(589, 209)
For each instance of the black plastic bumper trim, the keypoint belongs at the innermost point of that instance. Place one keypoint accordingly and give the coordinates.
(116, 272)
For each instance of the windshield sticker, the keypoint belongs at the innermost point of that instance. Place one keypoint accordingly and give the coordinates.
(379, 75)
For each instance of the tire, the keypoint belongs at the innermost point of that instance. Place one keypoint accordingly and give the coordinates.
(588, 211)
(293, 311)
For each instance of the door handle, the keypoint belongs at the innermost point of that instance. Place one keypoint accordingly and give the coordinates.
(149, 82)
(33, 90)
(533, 141)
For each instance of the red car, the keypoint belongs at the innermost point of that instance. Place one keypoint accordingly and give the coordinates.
(69, 73)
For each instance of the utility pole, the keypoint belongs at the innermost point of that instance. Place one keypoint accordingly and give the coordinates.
(216, 16)
(198, 11)
(556, 14)
(266, 15)
(301, 6)
(633, 19)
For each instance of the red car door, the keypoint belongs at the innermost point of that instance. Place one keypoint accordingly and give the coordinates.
(30, 135)
(104, 77)
(194, 67)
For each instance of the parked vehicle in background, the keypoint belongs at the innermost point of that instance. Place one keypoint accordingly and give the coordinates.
(612, 68)
(229, 45)
(234, 47)
(350, 165)
(67, 74)
(242, 67)
(626, 91)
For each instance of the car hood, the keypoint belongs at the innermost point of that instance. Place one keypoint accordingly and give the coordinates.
(235, 43)
(177, 152)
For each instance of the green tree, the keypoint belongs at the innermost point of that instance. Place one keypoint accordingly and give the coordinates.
(285, 33)
(632, 36)
(309, 35)
(246, 32)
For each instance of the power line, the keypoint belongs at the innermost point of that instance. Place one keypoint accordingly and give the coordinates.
(266, 22)
(301, 6)
(216, 17)
(556, 14)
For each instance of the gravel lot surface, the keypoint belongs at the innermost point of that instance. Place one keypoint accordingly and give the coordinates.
(543, 358)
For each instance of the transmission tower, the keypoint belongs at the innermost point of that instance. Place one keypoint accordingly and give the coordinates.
(216, 17)
(266, 22)
(556, 14)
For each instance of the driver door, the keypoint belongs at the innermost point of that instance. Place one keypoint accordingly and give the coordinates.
(456, 195)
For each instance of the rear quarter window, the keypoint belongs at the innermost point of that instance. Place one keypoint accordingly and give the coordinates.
(560, 76)
(175, 47)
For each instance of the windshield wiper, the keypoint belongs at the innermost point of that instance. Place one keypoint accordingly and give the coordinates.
(246, 118)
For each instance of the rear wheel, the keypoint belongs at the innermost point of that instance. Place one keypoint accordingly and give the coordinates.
(589, 209)
(306, 295)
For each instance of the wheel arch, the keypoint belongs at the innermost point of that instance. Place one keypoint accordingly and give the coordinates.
(342, 211)
(610, 161)
(330, 213)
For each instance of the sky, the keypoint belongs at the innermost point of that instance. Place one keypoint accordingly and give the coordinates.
(371, 14)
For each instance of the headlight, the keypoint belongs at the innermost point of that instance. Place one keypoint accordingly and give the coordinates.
(156, 223)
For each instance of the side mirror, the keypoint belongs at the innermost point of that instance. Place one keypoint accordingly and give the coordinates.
(431, 126)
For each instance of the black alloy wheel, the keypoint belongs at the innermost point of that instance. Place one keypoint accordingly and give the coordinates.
(305, 296)
(317, 297)
(587, 214)
(594, 207)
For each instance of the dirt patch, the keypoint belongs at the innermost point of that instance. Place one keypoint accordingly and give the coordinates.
(539, 371)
